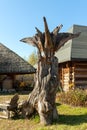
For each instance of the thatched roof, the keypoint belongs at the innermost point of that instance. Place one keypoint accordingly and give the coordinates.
(10, 62)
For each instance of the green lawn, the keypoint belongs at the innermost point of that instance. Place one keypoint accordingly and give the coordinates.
(70, 118)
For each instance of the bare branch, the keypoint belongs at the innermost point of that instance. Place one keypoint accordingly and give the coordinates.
(64, 37)
(39, 32)
(57, 29)
(28, 40)
(45, 25)
(48, 40)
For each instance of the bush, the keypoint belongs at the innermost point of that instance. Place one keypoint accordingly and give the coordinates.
(73, 97)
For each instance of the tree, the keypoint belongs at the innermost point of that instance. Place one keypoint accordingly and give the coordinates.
(42, 98)
(32, 59)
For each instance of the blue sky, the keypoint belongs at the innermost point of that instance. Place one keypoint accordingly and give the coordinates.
(18, 19)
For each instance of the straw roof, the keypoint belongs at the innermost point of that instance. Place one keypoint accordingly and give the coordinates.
(10, 62)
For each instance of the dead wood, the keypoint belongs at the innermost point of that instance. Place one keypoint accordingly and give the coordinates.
(42, 98)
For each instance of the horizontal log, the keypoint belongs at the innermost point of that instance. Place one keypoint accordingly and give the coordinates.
(69, 69)
(80, 70)
(4, 106)
(81, 67)
(66, 74)
(65, 83)
(68, 77)
(65, 88)
(1, 116)
(80, 64)
(4, 113)
(65, 71)
(80, 82)
(65, 80)
(80, 76)
(81, 86)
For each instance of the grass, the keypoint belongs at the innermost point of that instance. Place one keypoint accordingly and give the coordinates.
(70, 118)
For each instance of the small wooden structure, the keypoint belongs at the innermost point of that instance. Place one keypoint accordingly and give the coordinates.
(8, 107)
(12, 64)
(72, 59)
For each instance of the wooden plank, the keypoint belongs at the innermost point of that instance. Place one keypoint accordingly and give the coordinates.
(4, 106)
(5, 114)
(1, 116)
(9, 107)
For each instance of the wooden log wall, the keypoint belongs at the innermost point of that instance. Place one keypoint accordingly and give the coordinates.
(73, 76)
(80, 75)
(67, 78)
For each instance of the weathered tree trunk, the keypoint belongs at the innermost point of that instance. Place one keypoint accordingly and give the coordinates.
(42, 98)
(48, 80)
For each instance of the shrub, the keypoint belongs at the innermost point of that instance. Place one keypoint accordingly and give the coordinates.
(73, 97)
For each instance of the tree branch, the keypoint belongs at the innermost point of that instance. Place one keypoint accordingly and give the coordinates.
(57, 29)
(39, 32)
(64, 37)
(48, 40)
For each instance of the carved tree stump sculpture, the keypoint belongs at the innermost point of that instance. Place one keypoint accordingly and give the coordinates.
(42, 98)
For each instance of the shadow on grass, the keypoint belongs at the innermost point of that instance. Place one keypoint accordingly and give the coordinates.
(63, 119)
(72, 119)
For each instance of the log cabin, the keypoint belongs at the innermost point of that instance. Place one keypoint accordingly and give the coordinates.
(72, 58)
(11, 65)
